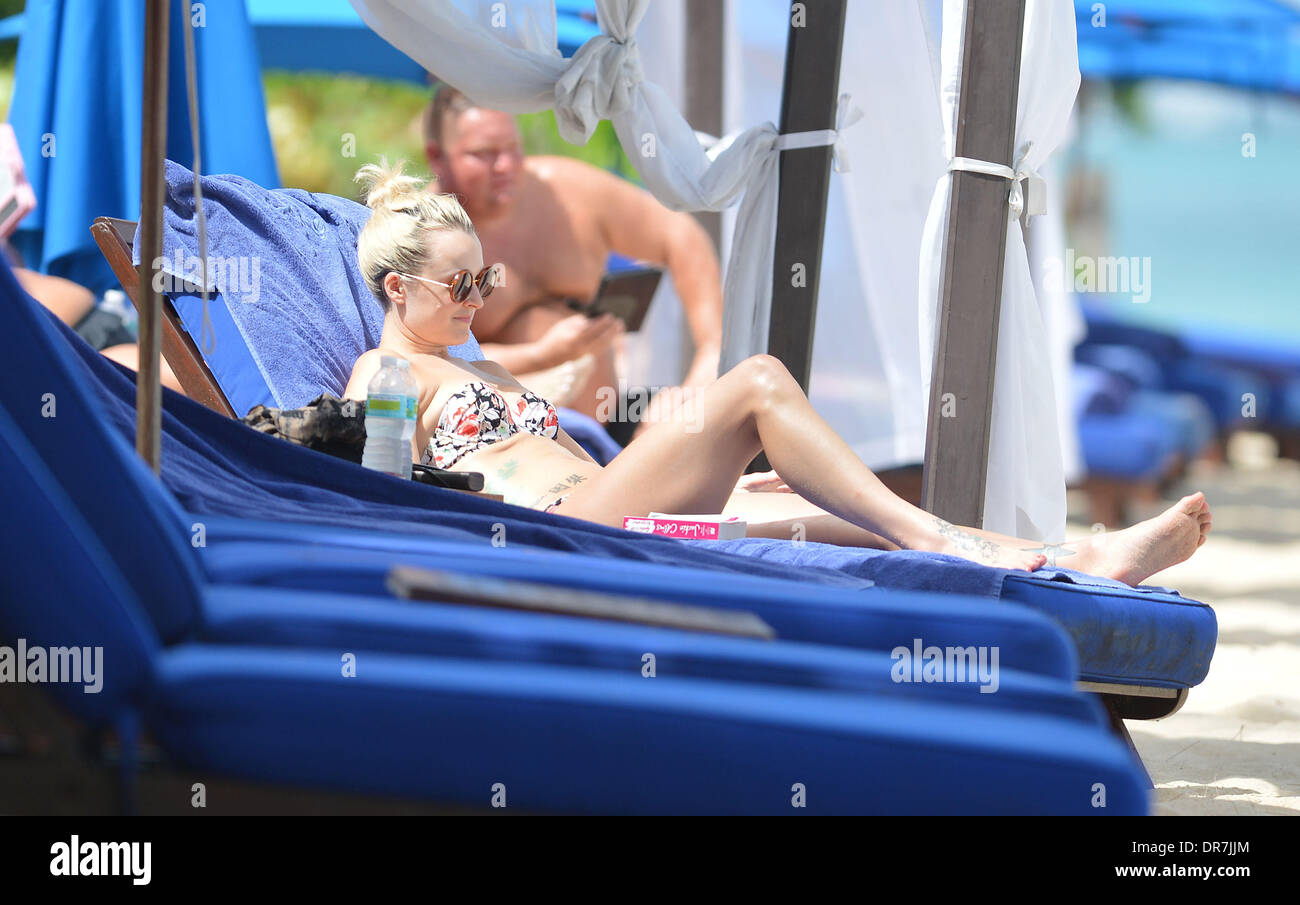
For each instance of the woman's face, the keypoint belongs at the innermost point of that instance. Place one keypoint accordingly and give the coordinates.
(428, 310)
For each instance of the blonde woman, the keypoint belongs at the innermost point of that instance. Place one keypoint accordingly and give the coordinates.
(421, 259)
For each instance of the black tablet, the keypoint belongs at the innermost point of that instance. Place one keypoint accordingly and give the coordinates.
(626, 294)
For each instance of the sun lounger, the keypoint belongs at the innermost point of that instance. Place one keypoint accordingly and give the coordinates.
(1223, 382)
(199, 446)
(153, 541)
(584, 738)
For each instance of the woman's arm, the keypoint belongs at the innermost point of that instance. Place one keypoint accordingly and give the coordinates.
(358, 387)
(363, 372)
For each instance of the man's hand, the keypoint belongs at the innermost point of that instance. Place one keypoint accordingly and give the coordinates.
(578, 334)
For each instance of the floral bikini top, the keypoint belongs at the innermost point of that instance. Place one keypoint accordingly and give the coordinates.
(477, 415)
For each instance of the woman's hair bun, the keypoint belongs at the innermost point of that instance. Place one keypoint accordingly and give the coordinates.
(387, 186)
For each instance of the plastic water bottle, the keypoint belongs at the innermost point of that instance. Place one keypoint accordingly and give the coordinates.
(391, 401)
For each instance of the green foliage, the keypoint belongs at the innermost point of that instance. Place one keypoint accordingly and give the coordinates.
(9, 49)
(6, 87)
(311, 117)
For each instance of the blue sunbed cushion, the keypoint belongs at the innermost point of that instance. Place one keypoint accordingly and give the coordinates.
(1142, 636)
(285, 263)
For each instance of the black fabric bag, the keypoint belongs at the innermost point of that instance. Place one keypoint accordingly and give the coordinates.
(337, 427)
(327, 424)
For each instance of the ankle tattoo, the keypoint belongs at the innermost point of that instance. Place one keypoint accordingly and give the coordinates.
(968, 543)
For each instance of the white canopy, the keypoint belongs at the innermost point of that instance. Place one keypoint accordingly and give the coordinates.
(505, 56)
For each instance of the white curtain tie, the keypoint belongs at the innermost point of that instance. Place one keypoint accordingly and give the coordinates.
(1033, 198)
(846, 114)
(599, 83)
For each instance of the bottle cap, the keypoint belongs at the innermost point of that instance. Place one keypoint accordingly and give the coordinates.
(388, 361)
(403, 364)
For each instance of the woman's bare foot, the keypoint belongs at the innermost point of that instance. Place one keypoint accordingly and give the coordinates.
(1135, 554)
(957, 541)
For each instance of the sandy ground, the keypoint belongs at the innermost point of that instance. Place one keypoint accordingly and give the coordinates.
(1234, 748)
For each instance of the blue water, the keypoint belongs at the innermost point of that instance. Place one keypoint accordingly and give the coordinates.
(1221, 229)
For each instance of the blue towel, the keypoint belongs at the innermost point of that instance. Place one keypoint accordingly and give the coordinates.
(288, 272)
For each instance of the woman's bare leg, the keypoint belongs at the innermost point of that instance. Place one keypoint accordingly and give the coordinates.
(692, 463)
(1133, 554)
(788, 516)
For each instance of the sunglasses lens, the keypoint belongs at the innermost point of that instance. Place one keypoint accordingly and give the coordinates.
(489, 279)
(461, 284)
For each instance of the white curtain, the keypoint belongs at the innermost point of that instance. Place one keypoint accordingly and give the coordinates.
(1060, 309)
(659, 354)
(1025, 489)
(865, 379)
(505, 56)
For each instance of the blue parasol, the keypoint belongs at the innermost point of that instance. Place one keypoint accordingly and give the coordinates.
(77, 114)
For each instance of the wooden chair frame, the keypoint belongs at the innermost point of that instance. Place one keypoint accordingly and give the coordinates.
(116, 239)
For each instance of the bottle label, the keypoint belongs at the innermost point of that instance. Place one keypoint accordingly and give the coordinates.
(386, 405)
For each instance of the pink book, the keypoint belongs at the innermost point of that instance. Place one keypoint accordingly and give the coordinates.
(689, 527)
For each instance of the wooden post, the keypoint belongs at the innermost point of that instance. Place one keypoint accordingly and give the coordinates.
(705, 27)
(808, 102)
(153, 152)
(965, 354)
(809, 99)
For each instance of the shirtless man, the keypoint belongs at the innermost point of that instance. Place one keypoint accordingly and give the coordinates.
(553, 222)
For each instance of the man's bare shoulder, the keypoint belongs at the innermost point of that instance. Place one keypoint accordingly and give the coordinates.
(564, 172)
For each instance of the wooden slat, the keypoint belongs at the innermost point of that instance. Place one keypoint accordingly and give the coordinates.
(808, 103)
(809, 98)
(114, 238)
(704, 26)
(440, 586)
(965, 355)
(153, 155)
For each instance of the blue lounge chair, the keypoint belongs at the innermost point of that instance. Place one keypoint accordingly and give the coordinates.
(149, 539)
(305, 555)
(1222, 383)
(559, 738)
(1120, 655)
